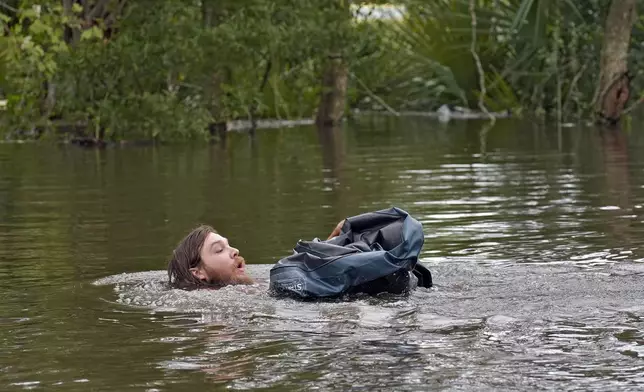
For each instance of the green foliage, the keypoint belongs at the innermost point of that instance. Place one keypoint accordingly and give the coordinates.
(555, 55)
(538, 56)
(131, 87)
(166, 69)
(165, 74)
(424, 58)
(32, 42)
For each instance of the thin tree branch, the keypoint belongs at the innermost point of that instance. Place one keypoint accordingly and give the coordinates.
(113, 15)
(600, 94)
(374, 96)
(253, 106)
(557, 35)
(633, 106)
(96, 10)
(8, 7)
(479, 67)
(573, 85)
(267, 72)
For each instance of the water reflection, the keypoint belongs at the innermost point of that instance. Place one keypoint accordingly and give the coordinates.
(332, 146)
(534, 242)
(618, 188)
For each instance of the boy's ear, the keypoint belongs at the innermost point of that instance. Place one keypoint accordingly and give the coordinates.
(198, 273)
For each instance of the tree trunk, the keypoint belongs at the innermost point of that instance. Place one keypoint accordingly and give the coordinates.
(334, 92)
(209, 19)
(207, 13)
(71, 35)
(613, 89)
(253, 106)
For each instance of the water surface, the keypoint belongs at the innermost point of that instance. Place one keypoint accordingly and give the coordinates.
(534, 239)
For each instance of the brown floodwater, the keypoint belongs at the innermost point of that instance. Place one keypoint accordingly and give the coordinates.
(535, 239)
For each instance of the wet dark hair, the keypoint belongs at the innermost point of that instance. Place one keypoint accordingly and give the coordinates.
(186, 256)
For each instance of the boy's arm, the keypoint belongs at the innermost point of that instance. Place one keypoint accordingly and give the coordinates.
(337, 230)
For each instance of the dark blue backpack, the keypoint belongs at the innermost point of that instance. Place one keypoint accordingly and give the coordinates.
(375, 252)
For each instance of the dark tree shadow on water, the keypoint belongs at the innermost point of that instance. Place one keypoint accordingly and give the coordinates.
(332, 148)
(616, 164)
(253, 144)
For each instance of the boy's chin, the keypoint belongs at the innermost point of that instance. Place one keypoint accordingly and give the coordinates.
(242, 279)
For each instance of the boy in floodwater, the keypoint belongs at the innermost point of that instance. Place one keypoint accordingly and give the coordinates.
(205, 259)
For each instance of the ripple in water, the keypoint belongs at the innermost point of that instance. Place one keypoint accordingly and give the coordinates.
(533, 327)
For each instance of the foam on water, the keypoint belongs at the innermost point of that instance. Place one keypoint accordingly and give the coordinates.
(546, 323)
